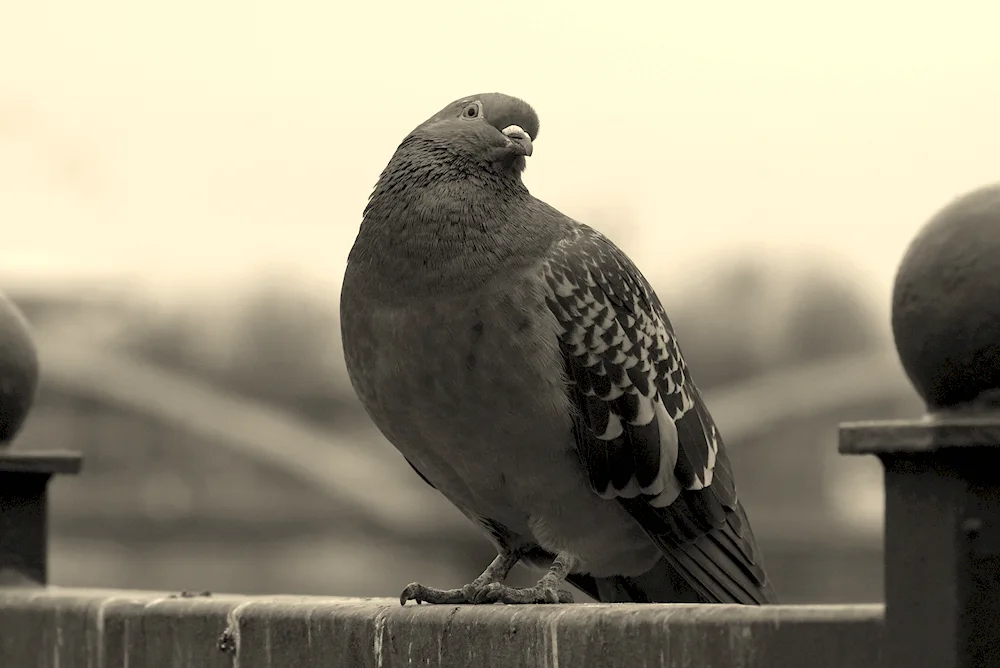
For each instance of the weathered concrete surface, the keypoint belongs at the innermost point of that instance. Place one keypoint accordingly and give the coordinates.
(70, 628)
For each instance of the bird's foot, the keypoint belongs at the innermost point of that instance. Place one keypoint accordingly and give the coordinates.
(470, 593)
(489, 588)
(540, 593)
(488, 594)
(421, 594)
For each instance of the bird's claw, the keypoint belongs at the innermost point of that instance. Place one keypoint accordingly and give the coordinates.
(499, 593)
(485, 595)
(421, 594)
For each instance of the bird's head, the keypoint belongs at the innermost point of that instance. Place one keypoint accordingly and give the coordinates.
(488, 128)
(450, 204)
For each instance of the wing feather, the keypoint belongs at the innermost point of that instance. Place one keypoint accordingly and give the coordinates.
(643, 432)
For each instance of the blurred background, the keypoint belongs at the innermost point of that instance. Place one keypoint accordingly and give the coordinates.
(180, 184)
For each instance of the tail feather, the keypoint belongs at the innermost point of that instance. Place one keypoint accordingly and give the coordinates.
(710, 569)
(723, 565)
(716, 566)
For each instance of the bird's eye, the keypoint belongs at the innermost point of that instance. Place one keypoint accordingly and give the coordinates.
(472, 110)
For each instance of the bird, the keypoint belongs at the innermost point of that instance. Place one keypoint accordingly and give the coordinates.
(527, 371)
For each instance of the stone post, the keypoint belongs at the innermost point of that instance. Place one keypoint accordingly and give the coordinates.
(942, 471)
(24, 476)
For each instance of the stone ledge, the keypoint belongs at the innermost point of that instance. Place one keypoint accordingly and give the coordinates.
(55, 627)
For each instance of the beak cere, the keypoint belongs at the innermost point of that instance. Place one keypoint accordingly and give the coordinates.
(516, 136)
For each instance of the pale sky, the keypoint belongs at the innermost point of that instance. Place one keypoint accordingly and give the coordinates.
(197, 140)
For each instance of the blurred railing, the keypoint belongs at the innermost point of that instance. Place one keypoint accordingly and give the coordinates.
(942, 524)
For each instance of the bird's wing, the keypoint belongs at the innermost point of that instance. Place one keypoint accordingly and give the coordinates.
(642, 430)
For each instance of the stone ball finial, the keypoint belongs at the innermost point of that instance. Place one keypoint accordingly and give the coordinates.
(18, 370)
(946, 303)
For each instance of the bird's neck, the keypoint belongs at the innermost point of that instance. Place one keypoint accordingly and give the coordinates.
(446, 229)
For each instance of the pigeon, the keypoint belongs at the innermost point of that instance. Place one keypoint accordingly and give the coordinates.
(527, 371)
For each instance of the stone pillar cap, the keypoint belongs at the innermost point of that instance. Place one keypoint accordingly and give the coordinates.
(18, 370)
(946, 304)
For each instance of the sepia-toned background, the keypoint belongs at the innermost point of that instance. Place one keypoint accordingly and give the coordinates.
(180, 183)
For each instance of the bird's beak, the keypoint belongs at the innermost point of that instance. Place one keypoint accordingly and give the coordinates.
(518, 137)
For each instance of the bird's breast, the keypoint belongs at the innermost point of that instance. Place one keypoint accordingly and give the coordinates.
(469, 386)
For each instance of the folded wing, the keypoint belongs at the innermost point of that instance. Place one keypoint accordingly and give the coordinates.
(642, 430)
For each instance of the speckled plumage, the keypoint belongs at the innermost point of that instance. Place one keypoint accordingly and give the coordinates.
(526, 369)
